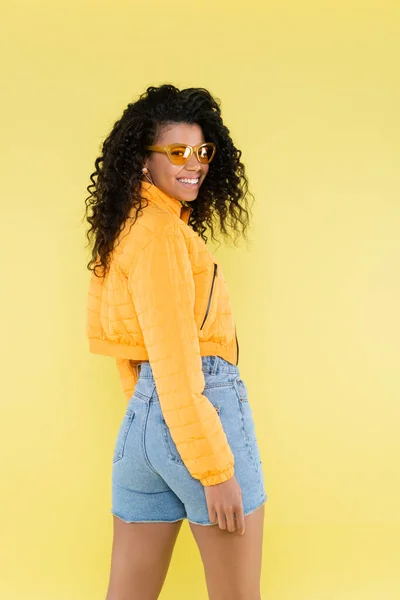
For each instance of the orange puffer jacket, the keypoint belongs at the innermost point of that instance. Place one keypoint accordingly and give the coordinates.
(165, 300)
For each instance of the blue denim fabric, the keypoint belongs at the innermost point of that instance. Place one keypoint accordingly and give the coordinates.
(150, 482)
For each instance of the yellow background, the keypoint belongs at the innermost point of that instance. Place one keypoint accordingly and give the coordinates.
(311, 93)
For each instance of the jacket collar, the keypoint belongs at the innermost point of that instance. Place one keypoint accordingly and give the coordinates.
(152, 193)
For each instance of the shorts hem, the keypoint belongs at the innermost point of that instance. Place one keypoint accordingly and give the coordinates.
(247, 512)
(146, 521)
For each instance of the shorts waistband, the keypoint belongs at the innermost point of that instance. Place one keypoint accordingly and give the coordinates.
(211, 365)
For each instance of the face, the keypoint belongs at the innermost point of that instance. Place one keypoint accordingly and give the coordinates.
(165, 175)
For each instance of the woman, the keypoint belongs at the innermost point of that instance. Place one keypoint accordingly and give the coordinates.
(159, 304)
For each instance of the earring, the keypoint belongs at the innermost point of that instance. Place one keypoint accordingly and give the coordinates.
(145, 171)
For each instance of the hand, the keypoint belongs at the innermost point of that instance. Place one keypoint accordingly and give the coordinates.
(224, 499)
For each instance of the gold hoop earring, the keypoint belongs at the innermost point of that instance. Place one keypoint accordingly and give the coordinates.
(145, 171)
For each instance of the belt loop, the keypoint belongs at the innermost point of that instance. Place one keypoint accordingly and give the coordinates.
(138, 367)
(215, 365)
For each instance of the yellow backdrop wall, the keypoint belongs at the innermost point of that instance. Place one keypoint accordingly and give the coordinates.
(310, 92)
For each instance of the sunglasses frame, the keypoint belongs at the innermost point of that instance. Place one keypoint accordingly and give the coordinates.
(193, 149)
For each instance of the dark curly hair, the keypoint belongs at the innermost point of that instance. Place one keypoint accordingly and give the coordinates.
(116, 182)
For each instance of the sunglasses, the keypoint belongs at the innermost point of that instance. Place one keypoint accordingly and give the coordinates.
(179, 154)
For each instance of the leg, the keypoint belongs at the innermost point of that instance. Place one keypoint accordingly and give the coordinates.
(141, 553)
(232, 562)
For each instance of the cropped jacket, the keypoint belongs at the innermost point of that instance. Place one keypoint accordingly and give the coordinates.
(165, 300)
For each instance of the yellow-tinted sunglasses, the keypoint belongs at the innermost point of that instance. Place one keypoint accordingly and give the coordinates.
(179, 154)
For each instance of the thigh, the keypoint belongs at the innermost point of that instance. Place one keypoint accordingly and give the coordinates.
(232, 562)
(141, 554)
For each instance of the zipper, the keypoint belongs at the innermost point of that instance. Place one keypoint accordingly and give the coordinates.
(210, 296)
(237, 348)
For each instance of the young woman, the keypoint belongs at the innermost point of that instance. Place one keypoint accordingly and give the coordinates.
(159, 304)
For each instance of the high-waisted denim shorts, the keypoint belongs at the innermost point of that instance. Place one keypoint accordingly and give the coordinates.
(150, 482)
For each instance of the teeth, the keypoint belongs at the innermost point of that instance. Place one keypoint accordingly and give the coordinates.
(193, 181)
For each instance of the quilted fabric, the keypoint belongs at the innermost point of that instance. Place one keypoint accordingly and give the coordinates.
(165, 300)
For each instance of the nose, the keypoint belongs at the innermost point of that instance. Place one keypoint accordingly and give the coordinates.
(193, 164)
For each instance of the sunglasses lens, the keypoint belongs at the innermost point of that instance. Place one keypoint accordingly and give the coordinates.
(179, 154)
(206, 153)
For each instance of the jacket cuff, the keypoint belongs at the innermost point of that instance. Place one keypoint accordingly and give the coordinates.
(218, 477)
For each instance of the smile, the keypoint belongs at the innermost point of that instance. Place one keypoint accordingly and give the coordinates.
(189, 182)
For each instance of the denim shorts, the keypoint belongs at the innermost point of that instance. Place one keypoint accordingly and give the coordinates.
(150, 482)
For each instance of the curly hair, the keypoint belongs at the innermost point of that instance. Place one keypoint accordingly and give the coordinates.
(116, 182)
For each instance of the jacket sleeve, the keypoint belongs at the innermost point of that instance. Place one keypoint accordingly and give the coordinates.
(163, 292)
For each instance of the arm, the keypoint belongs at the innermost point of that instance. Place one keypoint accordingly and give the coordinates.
(163, 292)
(127, 375)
